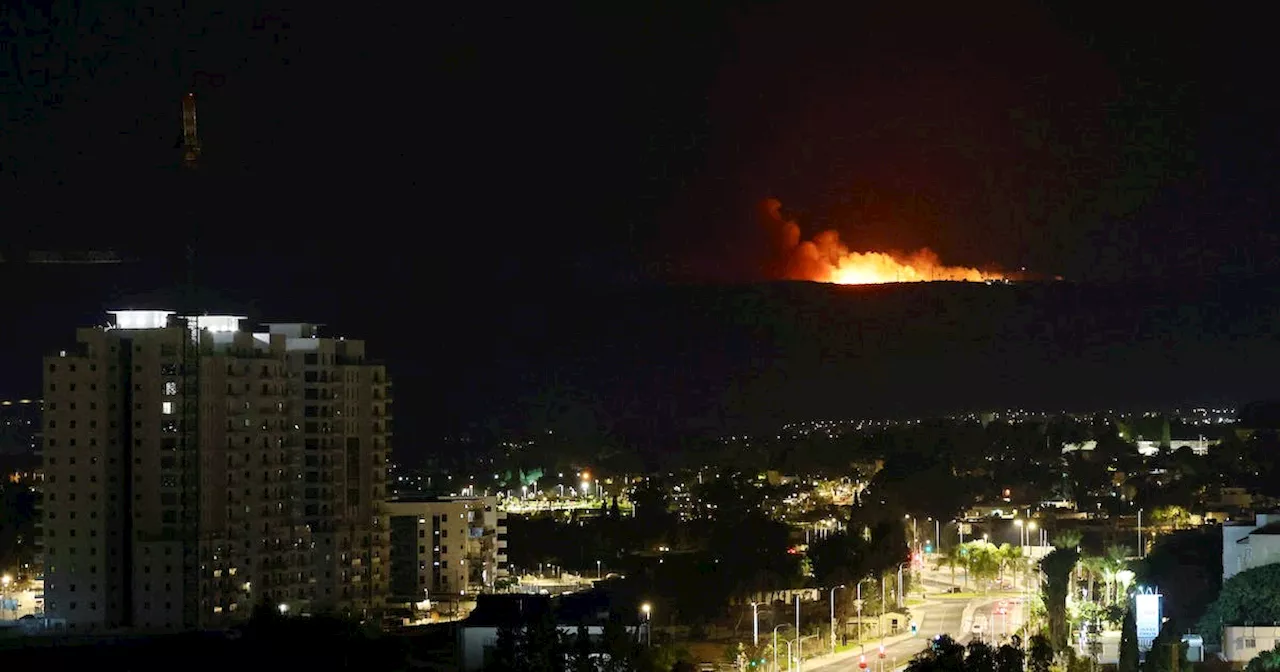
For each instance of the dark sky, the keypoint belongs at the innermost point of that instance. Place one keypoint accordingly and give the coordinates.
(420, 163)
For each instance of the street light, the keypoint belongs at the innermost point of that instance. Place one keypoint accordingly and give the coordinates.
(833, 618)
(901, 602)
(647, 610)
(755, 624)
(1140, 534)
(800, 650)
(858, 604)
(775, 645)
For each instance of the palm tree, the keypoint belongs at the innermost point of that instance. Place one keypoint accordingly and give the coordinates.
(1067, 539)
(984, 561)
(1003, 555)
(1117, 561)
(1093, 567)
(953, 557)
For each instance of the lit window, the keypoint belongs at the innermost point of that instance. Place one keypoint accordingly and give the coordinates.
(170, 388)
(166, 407)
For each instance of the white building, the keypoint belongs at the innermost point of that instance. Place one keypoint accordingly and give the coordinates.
(1199, 446)
(1249, 545)
(446, 546)
(194, 469)
(1243, 643)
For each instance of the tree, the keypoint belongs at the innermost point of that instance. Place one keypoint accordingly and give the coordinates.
(1041, 654)
(1009, 658)
(1067, 539)
(838, 559)
(1164, 647)
(1252, 596)
(984, 561)
(543, 648)
(1187, 566)
(979, 657)
(1267, 661)
(617, 647)
(1128, 643)
(583, 656)
(1093, 567)
(943, 655)
(1057, 567)
(506, 652)
(1117, 561)
(952, 557)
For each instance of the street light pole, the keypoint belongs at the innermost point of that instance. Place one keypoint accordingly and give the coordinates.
(800, 650)
(797, 614)
(755, 623)
(775, 646)
(1139, 534)
(880, 622)
(647, 610)
(858, 604)
(833, 617)
(901, 602)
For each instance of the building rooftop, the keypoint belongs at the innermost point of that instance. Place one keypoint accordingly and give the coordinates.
(591, 607)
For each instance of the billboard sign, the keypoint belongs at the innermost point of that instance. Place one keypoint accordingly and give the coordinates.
(1146, 611)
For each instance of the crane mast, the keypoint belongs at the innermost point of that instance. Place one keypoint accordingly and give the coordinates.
(190, 139)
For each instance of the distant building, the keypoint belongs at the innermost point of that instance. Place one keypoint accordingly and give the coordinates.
(478, 634)
(20, 426)
(194, 470)
(1246, 546)
(446, 546)
(1199, 446)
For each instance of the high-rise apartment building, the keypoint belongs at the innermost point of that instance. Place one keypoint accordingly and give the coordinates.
(194, 470)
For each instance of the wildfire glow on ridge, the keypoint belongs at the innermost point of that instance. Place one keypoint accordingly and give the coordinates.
(825, 258)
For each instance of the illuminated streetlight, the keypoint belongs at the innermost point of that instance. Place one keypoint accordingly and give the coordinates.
(647, 610)
(833, 618)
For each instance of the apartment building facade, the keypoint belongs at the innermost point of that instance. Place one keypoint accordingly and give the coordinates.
(194, 470)
(446, 546)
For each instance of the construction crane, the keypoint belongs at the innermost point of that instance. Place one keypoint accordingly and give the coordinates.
(190, 158)
(190, 138)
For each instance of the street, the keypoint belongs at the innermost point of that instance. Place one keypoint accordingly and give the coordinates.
(940, 614)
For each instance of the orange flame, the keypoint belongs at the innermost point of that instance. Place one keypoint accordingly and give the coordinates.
(826, 258)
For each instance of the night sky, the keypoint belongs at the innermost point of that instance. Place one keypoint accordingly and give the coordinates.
(404, 173)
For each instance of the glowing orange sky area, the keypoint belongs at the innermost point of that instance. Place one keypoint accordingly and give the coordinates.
(825, 258)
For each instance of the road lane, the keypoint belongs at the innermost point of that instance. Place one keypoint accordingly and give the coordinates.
(943, 616)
